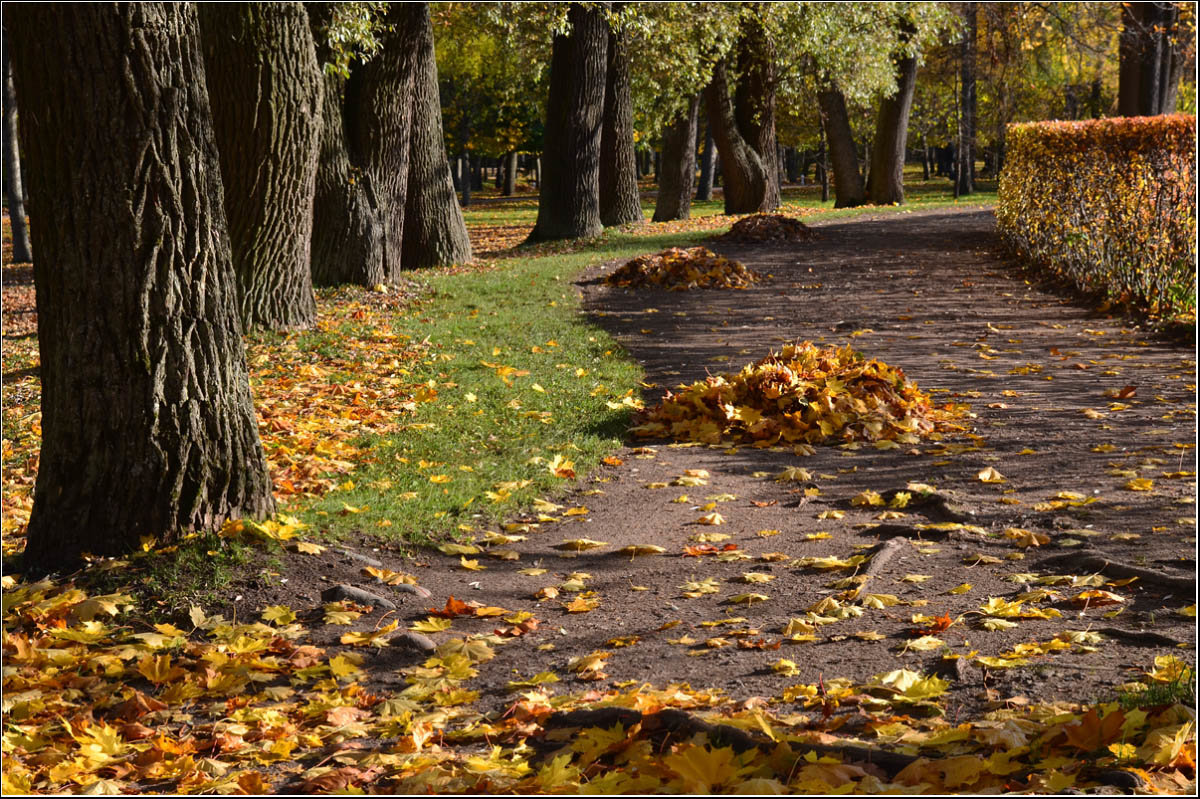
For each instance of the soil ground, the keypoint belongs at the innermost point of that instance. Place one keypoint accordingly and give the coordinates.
(931, 293)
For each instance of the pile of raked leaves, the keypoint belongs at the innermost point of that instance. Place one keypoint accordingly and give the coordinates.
(679, 269)
(802, 394)
(768, 227)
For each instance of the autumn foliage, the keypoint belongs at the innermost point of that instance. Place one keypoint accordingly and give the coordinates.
(801, 394)
(1109, 205)
(768, 227)
(680, 269)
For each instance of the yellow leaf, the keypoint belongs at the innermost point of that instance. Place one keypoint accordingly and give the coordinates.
(580, 544)
(867, 498)
(369, 637)
(470, 565)
(430, 624)
(990, 475)
(439, 478)
(307, 548)
(711, 518)
(633, 550)
(748, 599)
(1139, 484)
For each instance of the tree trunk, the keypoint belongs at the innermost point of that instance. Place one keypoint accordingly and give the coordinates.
(620, 202)
(347, 239)
(796, 167)
(464, 180)
(885, 185)
(1152, 47)
(754, 103)
(569, 189)
(745, 176)
(823, 165)
(847, 180)
(15, 190)
(679, 166)
(148, 429)
(434, 231)
(510, 174)
(379, 127)
(966, 143)
(705, 189)
(261, 65)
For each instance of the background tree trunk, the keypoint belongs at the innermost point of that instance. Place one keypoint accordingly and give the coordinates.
(705, 189)
(379, 127)
(966, 143)
(679, 166)
(569, 186)
(1151, 49)
(147, 423)
(347, 240)
(745, 175)
(434, 231)
(754, 103)
(14, 189)
(847, 180)
(620, 203)
(510, 174)
(886, 182)
(261, 65)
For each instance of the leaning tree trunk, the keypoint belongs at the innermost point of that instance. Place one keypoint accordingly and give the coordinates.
(22, 250)
(347, 240)
(679, 166)
(620, 202)
(704, 190)
(754, 103)
(378, 119)
(847, 180)
(966, 143)
(261, 67)
(434, 231)
(744, 174)
(148, 430)
(885, 185)
(569, 186)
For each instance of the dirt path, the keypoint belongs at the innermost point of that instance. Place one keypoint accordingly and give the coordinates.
(927, 292)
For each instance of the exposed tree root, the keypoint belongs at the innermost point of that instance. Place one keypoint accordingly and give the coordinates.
(681, 724)
(1090, 560)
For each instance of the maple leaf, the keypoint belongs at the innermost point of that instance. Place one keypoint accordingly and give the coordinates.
(580, 544)
(633, 550)
(369, 637)
(1093, 732)
(454, 607)
(702, 769)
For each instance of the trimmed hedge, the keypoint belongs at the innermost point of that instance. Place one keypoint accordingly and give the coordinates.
(1108, 204)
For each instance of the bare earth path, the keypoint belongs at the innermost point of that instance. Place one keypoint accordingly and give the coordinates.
(930, 293)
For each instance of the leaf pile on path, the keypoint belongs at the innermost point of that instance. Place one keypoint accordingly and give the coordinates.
(801, 394)
(768, 228)
(99, 699)
(681, 269)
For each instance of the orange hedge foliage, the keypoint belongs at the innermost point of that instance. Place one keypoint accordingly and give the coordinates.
(1109, 204)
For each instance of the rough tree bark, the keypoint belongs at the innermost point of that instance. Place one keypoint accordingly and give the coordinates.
(261, 66)
(707, 167)
(679, 166)
(847, 180)
(569, 186)
(378, 120)
(14, 188)
(966, 138)
(147, 423)
(754, 102)
(434, 231)
(347, 240)
(620, 202)
(885, 184)
(745, 176)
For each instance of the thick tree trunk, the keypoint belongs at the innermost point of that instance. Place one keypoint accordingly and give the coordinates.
(347, 240)
(705, 189)
(569, 189)
(679, 166)
(1152, 46)
(379, 127)
(754, 102)
(620, 203)
(746, 181)
(434, 231)
(148, 429)
(15, 190)
(885, 185)
(261, 67)
(510, 174)
(966, 143)
(847, 180)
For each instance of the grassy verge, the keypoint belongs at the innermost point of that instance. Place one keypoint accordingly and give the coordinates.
(515, 391)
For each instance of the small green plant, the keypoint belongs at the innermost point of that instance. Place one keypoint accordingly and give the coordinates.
(1181, 690)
